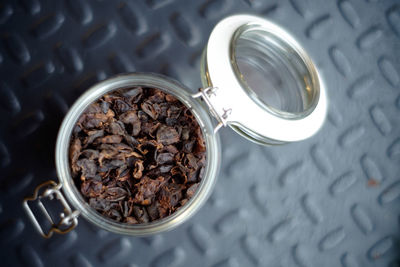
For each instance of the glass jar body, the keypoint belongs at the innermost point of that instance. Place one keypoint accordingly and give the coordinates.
(126, 81)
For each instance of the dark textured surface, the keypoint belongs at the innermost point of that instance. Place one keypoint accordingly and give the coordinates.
(333, 200)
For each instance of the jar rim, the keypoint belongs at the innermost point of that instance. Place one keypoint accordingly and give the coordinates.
(123, 81)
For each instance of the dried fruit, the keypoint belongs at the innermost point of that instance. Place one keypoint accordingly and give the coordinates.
(137, 155)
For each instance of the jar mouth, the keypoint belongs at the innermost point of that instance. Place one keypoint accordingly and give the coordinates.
(124, 81)
(274, 72)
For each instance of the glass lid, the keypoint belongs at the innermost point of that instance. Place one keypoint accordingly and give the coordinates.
(261, 82)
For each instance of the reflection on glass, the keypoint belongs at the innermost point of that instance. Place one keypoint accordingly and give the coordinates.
(271, 72)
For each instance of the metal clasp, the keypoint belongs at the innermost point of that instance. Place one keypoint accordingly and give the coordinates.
(68, 218)
(206, 94)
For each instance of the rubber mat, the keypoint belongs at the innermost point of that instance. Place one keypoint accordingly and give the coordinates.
(332, 200)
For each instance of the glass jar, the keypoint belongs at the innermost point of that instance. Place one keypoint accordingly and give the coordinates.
(256, 79)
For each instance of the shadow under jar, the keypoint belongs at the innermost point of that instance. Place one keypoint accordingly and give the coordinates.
(256, 79)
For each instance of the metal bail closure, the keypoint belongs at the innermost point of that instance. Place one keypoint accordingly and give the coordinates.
(68, 218)
(222, 117)
(261, 82)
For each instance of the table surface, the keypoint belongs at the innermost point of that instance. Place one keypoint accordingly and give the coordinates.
(332, 200)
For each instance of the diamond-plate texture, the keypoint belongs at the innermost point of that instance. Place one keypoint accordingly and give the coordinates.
(333, 200)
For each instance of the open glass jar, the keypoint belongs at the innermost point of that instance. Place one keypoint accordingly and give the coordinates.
(256, 79)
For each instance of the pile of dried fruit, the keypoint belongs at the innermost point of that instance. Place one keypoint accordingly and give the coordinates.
(137, 155)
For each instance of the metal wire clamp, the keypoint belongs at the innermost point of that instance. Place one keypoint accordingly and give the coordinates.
(68, 218)
(206, 94)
